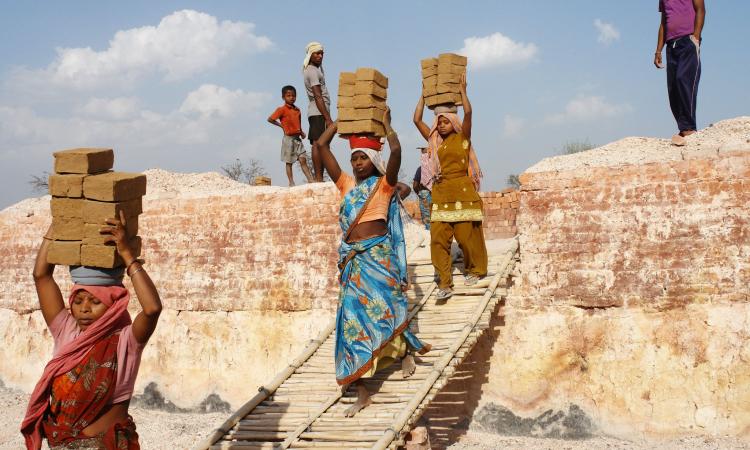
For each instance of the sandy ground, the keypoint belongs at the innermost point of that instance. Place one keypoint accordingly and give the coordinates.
(168, 431)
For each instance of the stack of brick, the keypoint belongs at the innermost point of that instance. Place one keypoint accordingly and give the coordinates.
(361, 102)
(85, 193)
(441, 79)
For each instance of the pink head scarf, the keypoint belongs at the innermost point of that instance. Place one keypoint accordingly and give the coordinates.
(69, 355)
(475, 171)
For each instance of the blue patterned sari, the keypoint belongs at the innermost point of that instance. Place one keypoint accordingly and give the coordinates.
(372, 308)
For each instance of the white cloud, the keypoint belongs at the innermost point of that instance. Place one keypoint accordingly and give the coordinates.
(211, 100)
(587, 108)
(184, 43)
(607, 32)
(497, 50)
(112, 108)
(512, 126)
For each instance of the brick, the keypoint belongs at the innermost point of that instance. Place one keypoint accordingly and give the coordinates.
(66, 207)
(84, 160)
(429, 91)
(92, 231)
(346, 102)
(441, 99)
(448, 78)
(346, 90)
(429, 81)
(99, 212)
(69, 185)
(347, 78)
(447, 88)
(368, 74)
(452, 58)
(451, 69)
(369, 114)
(67, 228)
(371, 88)
(429, 62)
(362, 126)
(64, 253)
(429, 71)
(262, 181)
(114, 186)
(346, 114)
(368, 101)
(106, 256)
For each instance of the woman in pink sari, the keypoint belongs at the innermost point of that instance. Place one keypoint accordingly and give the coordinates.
(81, 400)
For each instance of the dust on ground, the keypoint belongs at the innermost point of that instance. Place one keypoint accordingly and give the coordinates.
(159, 430)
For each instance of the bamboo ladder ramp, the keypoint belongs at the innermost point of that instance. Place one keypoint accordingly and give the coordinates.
(303, 407)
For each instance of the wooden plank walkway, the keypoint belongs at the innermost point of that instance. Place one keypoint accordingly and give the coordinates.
(303, 407)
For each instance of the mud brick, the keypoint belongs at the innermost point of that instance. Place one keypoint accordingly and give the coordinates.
(262, 181)
(70, 185)
(451, 68)
(371, 88)
(445, 78)
(66, 207)
(346, 102)
(362, 126)
(441, 99)
(99, 212)
(92, 231)
(367, 74)
(368, 101)
(67, 228)
(429, 91)
(114, 186)
(444, 88)
(452, 58)
(346, 114)
(429, 81)
(106, 256)
(347, 78)
(369, 114)
(84, 160)
(64, 253)
(346, 90)
(429, 71)
(429, 62)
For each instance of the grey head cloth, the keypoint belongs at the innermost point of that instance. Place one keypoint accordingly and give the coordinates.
(97, 276)
(445, 109)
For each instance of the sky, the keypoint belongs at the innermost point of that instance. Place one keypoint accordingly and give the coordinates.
(187, 86)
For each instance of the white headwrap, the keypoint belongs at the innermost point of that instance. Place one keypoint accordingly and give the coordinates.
(375, 157)
(311, 48)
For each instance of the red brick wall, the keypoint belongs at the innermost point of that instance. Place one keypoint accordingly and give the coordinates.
(659, 235)
(500, 210)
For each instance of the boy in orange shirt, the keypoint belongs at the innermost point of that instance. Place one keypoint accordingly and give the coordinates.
(287, 116)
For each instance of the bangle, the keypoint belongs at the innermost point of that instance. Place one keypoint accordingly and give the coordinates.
(140, 269)
(127, 268)
(390, 133)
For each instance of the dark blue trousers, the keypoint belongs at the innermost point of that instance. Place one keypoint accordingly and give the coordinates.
(683, 75)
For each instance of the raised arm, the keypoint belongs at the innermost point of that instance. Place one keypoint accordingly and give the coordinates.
(424, 130)
(50, 298)
(700, 18)
(660, 42)
(145, 322)
(394, 160)
(466, 125)
(326, 155)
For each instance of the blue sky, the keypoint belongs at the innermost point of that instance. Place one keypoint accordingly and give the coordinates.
(186, 86)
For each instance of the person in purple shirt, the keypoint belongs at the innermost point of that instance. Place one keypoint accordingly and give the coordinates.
(680, 29)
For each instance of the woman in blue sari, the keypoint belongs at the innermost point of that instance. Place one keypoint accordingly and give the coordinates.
(371, 320)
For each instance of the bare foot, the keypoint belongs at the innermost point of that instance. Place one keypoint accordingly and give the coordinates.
(363, 400)
(678, 140)
(686, 133)
(408, 366)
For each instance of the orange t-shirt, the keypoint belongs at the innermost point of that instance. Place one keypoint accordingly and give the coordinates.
(290, 119)
(377, 209)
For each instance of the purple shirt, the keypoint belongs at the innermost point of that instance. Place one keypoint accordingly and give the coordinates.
(680, 15)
